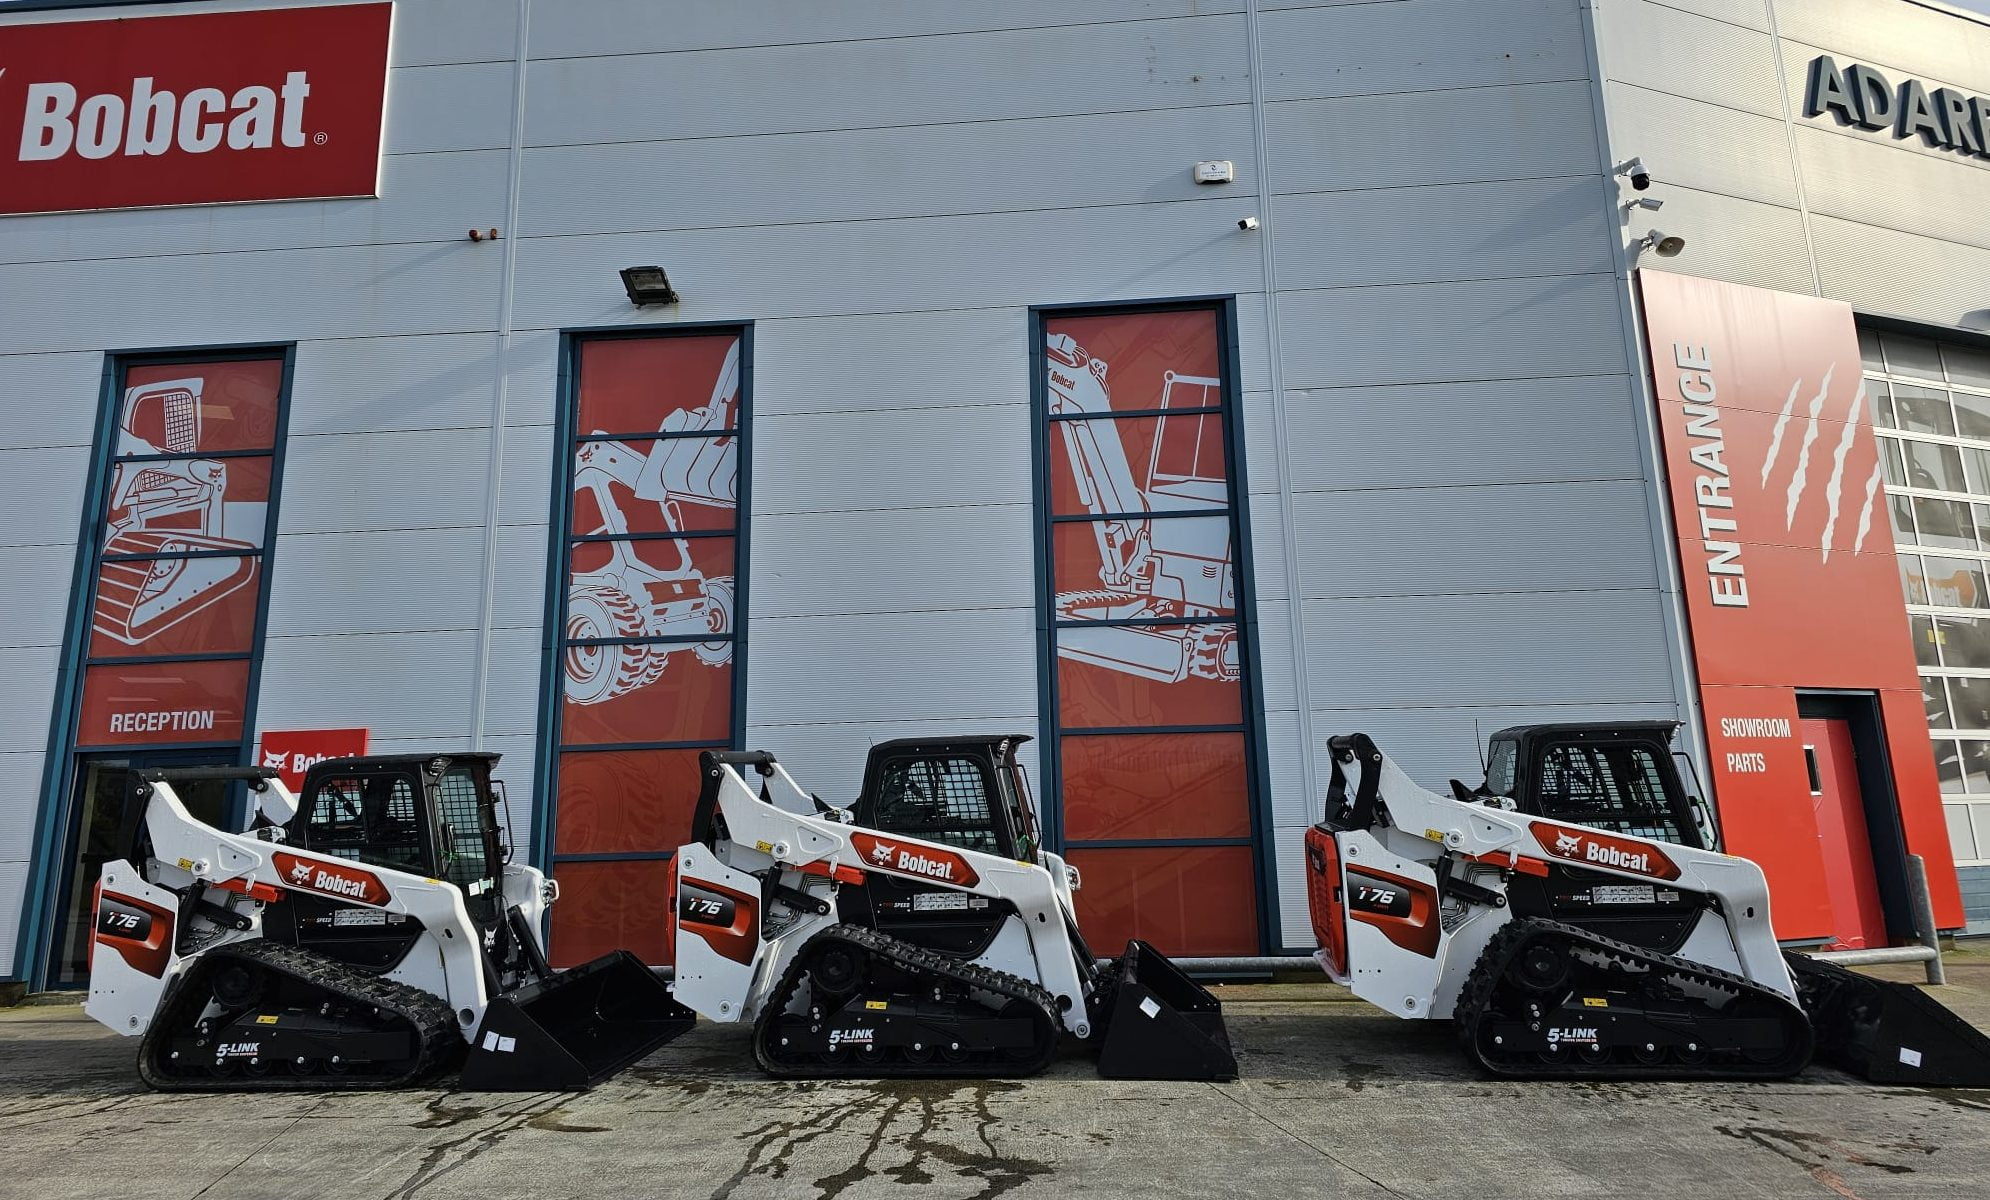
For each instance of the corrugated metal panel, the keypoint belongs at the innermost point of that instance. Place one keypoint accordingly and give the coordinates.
(1289, 873)
(389, 581)
(374, 385)
(982, 356)
(432, 479)
(1692, 143)
(1536, 649)
(1498, 329)
(1902, 39)
(408, 684)
(1531, 131)
(917, 170)
(1499, 431)
(531, 374)
(525, 489)
(869, 461)
(51, 399)
(34, 596)
(422, 199)
(904, 560)
(629, 26)
(1278, 663)
(1261, 445)
(1667, 50)
(1086, 255)
(27, 702)
(520, 598)
(1935, 194)
(1752, 13)
(265, 296)
(974, 666)
(1761, 245)
(1285, 760)
(851, 85)
(1884, 271)
(44, 486)
(13, 885)
(455, 31)
(450, 108)
(1434, 541)
(20, 802)
(511, 692)
(1433, 234)
(1268, 556)
(1419, 45)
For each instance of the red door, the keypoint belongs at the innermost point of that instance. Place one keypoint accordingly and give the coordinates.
(1856, 917)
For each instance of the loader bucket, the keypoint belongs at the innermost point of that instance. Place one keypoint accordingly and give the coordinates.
(575, 1029)
(1888, 1032)
(1162, 1024)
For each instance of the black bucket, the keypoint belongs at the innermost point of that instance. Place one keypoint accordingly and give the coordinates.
(1888, 1032)
(1163, 1025)
(575, 1029)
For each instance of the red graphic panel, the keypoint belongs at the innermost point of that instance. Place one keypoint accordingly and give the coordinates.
(187, 504)
(1787, 561)
(1155, 785)
(607, 906)
(175, 606)
(193, 408)
(670, 384)
(163, 703)
(625, 801)
(1173, 463)
(1124, 362)
(654, 587)
(1127, 675)
(197, 108)
(1118, 570)
(1187, 901)
(655, 485)
(659, 692)
(293, 752)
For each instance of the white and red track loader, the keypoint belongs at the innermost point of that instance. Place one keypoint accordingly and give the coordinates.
(366, 937)
(1567, 919)
(922, 932)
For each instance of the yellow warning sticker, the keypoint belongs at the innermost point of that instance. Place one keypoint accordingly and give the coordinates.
(186, 864)
(265, 1020)
(873, 1004)
(764, 847)
(1434, 835)
(1595, 1002)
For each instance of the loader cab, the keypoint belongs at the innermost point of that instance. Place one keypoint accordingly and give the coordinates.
(429, 815)
(965, 792)
(1619, 777)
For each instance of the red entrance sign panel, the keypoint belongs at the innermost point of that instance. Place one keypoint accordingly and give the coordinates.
(1787, 561)
(201, 108)
(154, 704)
(294, 752)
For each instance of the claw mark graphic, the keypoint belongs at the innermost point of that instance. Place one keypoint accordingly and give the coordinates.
(1801, 478)
(1832, 489)
(1866, 513)
(1776, 435)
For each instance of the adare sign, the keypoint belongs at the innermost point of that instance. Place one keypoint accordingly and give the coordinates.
(206, 108)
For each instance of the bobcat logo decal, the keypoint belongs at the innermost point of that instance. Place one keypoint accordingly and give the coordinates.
(883, 852)
(1568, 843)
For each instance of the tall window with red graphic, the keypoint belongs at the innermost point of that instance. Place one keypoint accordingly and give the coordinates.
(178, 575)
(648, 595)
(1152, 752)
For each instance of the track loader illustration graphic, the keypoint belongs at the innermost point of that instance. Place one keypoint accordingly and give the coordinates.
(1567, 919)
(631, 596)
(922, 932)
(371, 936)
(166, 506)
(1149, 568)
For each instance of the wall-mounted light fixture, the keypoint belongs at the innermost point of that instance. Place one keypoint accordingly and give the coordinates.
(1665, 245)
(648, 285)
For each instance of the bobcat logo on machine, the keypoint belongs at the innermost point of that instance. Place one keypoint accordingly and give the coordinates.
(1604, 850)
(926, 862)
(300, 872)
(346, 883)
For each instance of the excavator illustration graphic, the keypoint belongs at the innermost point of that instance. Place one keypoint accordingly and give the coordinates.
(168, 506)
(1149, 568)
(632, 594)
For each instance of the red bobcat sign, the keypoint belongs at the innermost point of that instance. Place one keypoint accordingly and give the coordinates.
(196, 109)
(296, 752)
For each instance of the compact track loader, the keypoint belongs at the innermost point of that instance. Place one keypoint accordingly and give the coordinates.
(367, 937)
(1571, 918)
(924, 931)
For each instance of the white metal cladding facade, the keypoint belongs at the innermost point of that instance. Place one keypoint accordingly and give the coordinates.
(1453, 513)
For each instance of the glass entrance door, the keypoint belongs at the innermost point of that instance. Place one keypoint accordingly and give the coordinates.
(97, 811)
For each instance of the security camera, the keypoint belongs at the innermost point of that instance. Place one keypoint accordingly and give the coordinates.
(1247, 224)
(1665, 245)
(1648, 203)
(1635, 169)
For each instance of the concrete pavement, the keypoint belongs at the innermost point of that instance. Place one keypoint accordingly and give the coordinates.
(1336, 1100)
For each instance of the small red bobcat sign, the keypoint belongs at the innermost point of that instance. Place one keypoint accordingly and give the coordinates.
(297, 751)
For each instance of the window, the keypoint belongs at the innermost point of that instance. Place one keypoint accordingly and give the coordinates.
(647, 598)
(940, 800)
(372, 819)
(1618, 788)
(1931, 408)
(1152, 748)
